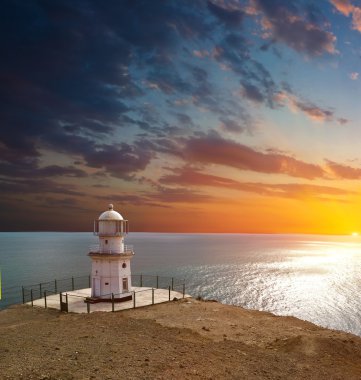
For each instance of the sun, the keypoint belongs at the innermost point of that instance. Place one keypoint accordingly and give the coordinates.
(355, 234)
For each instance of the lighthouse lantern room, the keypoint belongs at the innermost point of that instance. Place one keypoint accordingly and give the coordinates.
(111, 258)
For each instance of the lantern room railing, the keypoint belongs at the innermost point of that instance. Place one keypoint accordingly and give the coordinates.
(95, 248)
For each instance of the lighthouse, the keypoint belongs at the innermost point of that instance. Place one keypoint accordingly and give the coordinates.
(111, 275)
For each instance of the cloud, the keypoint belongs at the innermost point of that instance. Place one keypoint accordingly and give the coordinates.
(354, 75)
(188, 176)
(32, 170)
(230, 17)
(296, 104)
(347, 8)
(343, 171)
(213, 149)
(343, 6)
(342, 120)
(120, 161)
(252, 93)
(160, 197)
(36, 186)
(78, 79)
(230, 125)
(201, 53)
(116, 87)
(179, 195)
(133, 199)
(284, 23)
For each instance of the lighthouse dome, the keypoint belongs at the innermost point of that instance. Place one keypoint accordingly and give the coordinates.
(110, 214)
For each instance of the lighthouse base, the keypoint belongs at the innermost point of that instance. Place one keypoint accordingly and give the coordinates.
(100, 299)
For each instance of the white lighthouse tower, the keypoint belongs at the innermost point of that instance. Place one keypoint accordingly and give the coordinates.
(111, 258)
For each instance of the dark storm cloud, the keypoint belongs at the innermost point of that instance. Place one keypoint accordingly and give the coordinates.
(286, 23)
(32, 170)
(230, 125)
(35, 186)
(252, 93)
(69, 62)
(184, 119)
(231, 18)
(233, 50)
(257, 82)
(119, 161)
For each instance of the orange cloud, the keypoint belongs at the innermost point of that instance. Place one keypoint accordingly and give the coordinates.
(343, 171)
(347, 8)
(213, 149)
(295, 104)
(190, 177)
(343, 6)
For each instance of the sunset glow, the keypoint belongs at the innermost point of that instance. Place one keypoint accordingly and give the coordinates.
(189, 116)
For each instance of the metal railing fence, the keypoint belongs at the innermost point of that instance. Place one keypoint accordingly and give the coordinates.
(33, 292)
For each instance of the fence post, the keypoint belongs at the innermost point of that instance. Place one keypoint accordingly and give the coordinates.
(172, 283)
(157, 282)
(184, 289)
(89, 282)
(152, 296)
(72, 283)
(55, 286)
(31, 297)
(169, 292)
(67, 305)
(45, 299)
(134, 300)
(88, 307)
(141, 280)
(22, 289)
(112, 301)
(40, 290)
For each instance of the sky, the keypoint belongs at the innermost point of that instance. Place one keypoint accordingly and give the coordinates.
(230, 116)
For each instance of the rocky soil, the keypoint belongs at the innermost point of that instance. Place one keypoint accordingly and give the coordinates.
(185, 339)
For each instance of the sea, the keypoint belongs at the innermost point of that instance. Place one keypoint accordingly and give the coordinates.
(311, 277)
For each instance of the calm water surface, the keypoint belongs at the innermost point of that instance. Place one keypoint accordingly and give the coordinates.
(316, 278)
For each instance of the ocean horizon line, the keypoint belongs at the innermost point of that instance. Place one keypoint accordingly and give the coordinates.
(351, 234)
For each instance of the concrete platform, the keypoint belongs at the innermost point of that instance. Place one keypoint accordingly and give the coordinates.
(76, 304)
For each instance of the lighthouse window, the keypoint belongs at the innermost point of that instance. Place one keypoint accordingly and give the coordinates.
(125, 284)
(106, 241)
(124, 265)
(107, 283)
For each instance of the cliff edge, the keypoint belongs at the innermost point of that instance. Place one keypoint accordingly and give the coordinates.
(186, 339)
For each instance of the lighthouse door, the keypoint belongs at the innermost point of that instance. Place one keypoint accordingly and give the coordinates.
(105, 286)
(96, 287)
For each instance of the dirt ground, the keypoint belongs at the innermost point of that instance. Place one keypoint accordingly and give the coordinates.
(185, 339)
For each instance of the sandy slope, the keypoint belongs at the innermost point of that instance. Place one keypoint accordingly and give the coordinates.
(186, 339)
